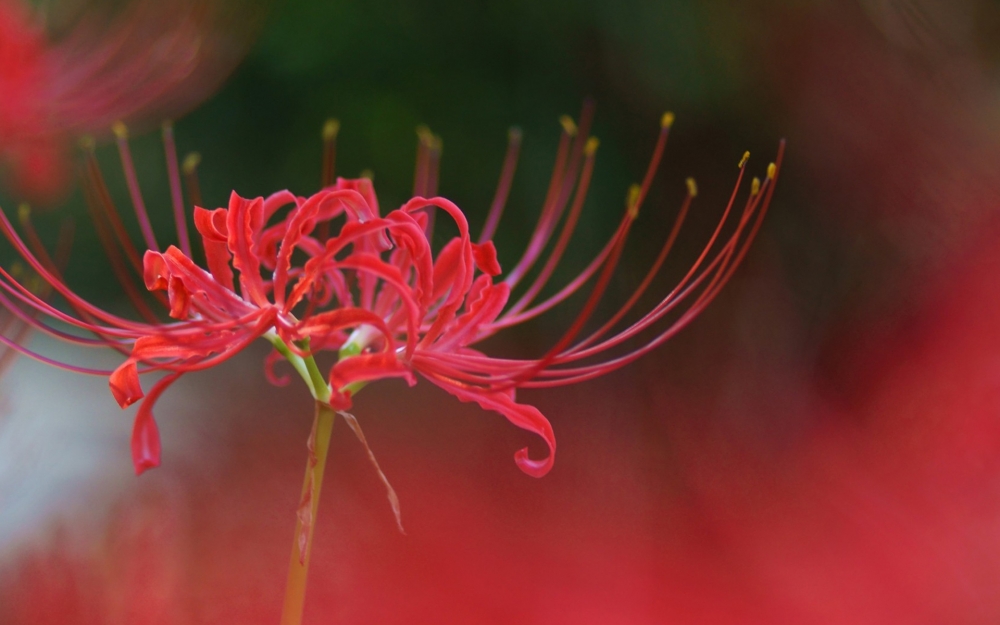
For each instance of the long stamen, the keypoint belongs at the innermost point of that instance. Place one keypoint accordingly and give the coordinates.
(118, 266)
(173, 175)
(330, 131)
(503, 186)
(24, 251)
(483, 370)
(132, 181)
(569, 131)
(632, 211)
(420, 166)
(331, 128)
(433, 164)
(664, 251)
(760, 197)
(557, 200)
(567, 231)
(686, 285)
(425, 176)
(190, 170)
(515, 314)
(103, 199)
(719, 269)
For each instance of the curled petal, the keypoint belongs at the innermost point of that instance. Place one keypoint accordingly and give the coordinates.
(155, 271)
(367, 367)
(160, 271)
(215, 237)
(269, 362)
(363, 186)
(124, 383)
(522, 415)
(275, 201)
(302, 221)
(211, 224)
(486, 258)
(179, 298)
(244, 222)
(448, 268)
(327, 323)
(485, 303)
(145, 442)
(145, 434)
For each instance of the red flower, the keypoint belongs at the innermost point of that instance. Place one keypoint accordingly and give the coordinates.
(153, 60)
(376, 294)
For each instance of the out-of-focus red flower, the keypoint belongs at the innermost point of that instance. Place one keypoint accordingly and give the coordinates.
(376, 295)
(148, 61)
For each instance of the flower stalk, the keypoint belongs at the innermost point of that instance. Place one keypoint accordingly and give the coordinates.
(305, 523)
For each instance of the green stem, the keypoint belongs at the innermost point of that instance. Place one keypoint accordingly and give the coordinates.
(305, 525)
(319, 448)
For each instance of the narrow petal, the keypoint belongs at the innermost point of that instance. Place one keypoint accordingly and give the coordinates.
(245, 220)
(145, 434)
(367, 367)
(215, 236)
(145, 442)
(485, 303)
(522, 415)
(124, 383)
(486, 258)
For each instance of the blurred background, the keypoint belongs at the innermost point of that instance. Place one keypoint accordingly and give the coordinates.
(820, 446)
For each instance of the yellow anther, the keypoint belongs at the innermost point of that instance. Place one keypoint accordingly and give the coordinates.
(435, 143)
(743, 161)
(87, 143)
(692, 187)
(367, 173)
(632, 201)
(755, 186)
(772, 169)
(330, 129)
(191, 162)
(167, 125)
(667, 120)
(24, 211)
(424, 134)
(591, 147)
(120, 130)
(569, 126)
(34, 283)
(514, 134)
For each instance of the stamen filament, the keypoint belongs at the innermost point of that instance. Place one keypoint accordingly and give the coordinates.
(132, 181)
(503, 186)
(173, 175)
(567, 232)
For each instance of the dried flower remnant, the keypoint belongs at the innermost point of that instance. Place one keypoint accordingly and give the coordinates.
(150, 60)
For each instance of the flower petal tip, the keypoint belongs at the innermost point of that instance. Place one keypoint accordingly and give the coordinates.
(534, 468)
(145, 443)
(485, 255)
(124, 384)
(144, 464)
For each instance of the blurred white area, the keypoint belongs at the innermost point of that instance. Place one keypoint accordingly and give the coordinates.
(64, 442)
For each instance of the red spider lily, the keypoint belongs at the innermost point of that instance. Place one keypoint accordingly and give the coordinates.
(375, 292)
(154, 59)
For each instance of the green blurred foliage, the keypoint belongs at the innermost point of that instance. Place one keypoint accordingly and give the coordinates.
(469, 70)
